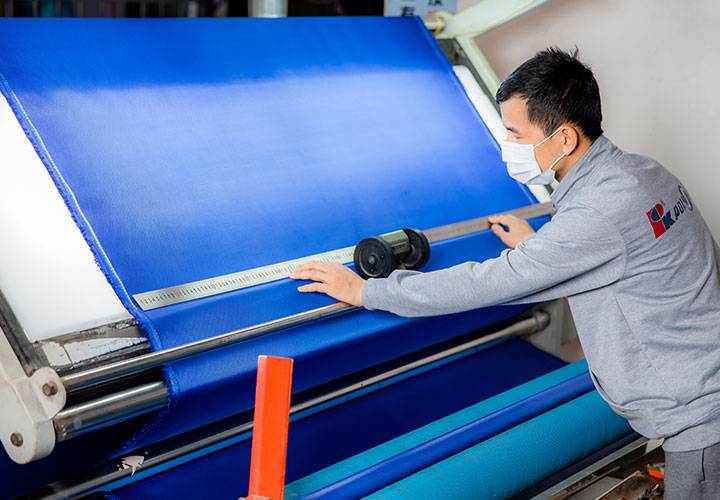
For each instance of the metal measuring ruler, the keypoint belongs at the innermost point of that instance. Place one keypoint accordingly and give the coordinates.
(236, 281)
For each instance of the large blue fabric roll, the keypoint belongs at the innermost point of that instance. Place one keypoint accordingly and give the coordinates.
(187, 149)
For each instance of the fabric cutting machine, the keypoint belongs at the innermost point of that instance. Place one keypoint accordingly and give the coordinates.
(160, 180)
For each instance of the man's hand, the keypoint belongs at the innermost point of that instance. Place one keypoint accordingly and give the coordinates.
(332, 279)
(510, 229)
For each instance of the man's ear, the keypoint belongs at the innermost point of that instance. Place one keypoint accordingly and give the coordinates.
(571, 138)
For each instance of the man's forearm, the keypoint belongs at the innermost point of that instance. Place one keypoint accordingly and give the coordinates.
(533, 272)
(412, 293)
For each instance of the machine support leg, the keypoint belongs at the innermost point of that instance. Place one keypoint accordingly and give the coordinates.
(270, 431)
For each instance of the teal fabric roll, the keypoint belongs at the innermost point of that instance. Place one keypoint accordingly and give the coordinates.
(597, 415)
(515, 460)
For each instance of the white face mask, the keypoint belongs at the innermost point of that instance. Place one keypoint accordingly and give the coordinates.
(522, 165)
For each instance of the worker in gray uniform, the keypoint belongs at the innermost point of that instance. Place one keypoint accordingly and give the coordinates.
(627, 246)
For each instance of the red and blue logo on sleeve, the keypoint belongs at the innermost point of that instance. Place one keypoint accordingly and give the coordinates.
(661, 219)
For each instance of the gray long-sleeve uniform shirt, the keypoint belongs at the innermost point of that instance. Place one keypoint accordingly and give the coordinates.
(639, 266)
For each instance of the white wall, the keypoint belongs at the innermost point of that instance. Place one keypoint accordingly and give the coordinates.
(658, 66)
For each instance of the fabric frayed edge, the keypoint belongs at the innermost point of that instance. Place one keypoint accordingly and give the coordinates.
(99, 255)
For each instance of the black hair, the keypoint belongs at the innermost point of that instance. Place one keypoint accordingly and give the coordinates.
(558, 88)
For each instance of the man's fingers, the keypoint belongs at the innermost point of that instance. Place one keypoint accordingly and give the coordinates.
(318, 266)
(501, 233)
(499, 219)
(504, 219)
(314, 287)
(498, 230)
(309, 275)
(309, 267)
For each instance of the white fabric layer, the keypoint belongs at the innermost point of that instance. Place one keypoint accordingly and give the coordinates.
(47, 271)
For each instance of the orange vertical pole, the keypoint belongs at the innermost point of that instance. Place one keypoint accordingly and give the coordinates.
(270, 428)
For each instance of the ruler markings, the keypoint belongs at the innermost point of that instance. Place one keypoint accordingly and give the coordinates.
(265, 274)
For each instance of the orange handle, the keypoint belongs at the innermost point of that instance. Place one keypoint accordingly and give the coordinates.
(270, 428)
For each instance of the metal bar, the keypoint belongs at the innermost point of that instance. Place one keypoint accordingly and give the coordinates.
(597, 469)
(463, 228)
(31, 358)
(115, 408)
(482, 17)
(186, 292)
(268, 8)
(98, 375)
(106, 343)
(265, 274)
(538, 321)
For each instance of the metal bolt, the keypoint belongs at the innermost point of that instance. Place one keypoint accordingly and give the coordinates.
(16, 439)
(49, 389)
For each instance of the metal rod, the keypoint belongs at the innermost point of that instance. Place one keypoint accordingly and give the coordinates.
(115, 408)
(448, 231)
(112, 409)
(268, 8)
(537, 322)
(118, 369)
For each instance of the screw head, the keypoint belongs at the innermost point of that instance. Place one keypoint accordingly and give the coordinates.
(49, 389)
(16, 439)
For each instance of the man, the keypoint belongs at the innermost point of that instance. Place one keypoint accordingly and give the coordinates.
(628, 247)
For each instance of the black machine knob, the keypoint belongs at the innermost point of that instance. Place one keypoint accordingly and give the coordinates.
(374, 258)
(378, 256)
(419, 250)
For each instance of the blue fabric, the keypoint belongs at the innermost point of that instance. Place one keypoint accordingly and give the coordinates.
(424, 455)
(318, 440)
(187, 149)
(515, 460)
